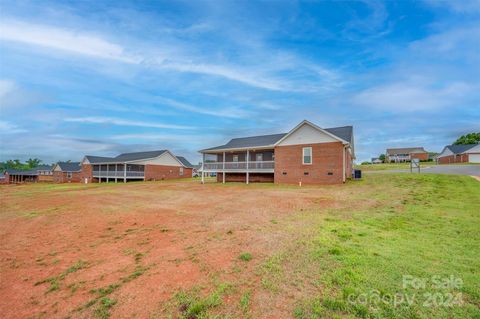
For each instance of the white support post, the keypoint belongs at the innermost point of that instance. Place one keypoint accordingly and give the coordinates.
(223, 167)
(248, 174)
(116, 172)
(203, 169)
(125, 172)
(99, 173)
(108, 165)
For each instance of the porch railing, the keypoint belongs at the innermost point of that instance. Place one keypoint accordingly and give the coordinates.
(240, 166)
(118, 174)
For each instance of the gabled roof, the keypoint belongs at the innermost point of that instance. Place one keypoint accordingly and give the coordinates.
(139, 155)
(459, 149)
(30, 172)
(136, 156)
(405, 150)
(99, 159)
(184, 161)
(251, 141)
(69, 166)
(344, 133)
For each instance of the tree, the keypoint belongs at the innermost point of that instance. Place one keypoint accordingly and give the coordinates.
(33, 162)
(382, 157)
(471, 138)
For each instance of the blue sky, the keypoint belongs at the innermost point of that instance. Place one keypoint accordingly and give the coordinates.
(103, 77)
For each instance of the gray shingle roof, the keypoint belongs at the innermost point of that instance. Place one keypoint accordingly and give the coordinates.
(344, 132)
(139, 155)
(69, 166)
(30, 172)
(459, 149)
(99, 159)
(251, 141)
(405, 150)
(127, 157)
(184, 161)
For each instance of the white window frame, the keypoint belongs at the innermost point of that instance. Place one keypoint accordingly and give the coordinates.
(181, 171)
(235, 158)
(303, 155)
(259, 155)
(69, 175)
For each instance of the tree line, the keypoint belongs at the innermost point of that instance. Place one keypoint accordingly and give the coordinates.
(17, 164)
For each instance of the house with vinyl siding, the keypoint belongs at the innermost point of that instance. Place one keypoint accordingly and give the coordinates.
(469, 153)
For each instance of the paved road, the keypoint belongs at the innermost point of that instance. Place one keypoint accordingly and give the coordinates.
(471, 170)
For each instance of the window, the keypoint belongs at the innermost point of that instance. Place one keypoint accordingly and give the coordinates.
(307, 156)
(69, 175)
(259, 157)
(181, 171)
(235, 158)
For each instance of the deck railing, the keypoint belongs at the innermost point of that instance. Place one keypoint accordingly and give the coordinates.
(240, 166)
(118, 174)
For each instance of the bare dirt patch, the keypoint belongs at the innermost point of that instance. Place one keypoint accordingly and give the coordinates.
(138, 244)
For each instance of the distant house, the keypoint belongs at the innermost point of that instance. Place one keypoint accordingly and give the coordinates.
(376, 160)
(42, 173)
(406, 154)
(145, 166)
(469, 153)
(307, 154)
(67, 172)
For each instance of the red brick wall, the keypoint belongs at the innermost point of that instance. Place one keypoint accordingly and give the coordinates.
(420, 156)
(327, 158)
(61, 177)
(462, 158)
(242, 177)
(87, 172)
(45, 178)
(349, 163)
(160, 172)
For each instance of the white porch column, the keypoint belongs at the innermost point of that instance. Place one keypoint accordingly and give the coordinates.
(223, 167)
(108, 165)
(248, 174)
(99, 173)
(203, 168)
(116, 172)
(125, 172)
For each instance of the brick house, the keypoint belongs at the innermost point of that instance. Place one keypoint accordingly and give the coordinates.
(406, 154)
(67, 172)
(469, 153)
(307, 154)
(42, 173)
(144, 166)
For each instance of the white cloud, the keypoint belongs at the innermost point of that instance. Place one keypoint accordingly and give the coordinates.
(9, 128)
(62, 39)
(6, 87)
(228, 112)
(122, 122)
(172, 57)
(410, 96)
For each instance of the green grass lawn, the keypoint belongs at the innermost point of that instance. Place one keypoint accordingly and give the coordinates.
(395, 166)
(390, 166)
(425, 226)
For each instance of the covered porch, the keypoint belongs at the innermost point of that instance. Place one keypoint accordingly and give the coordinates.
(250, 165)
(118, 171)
